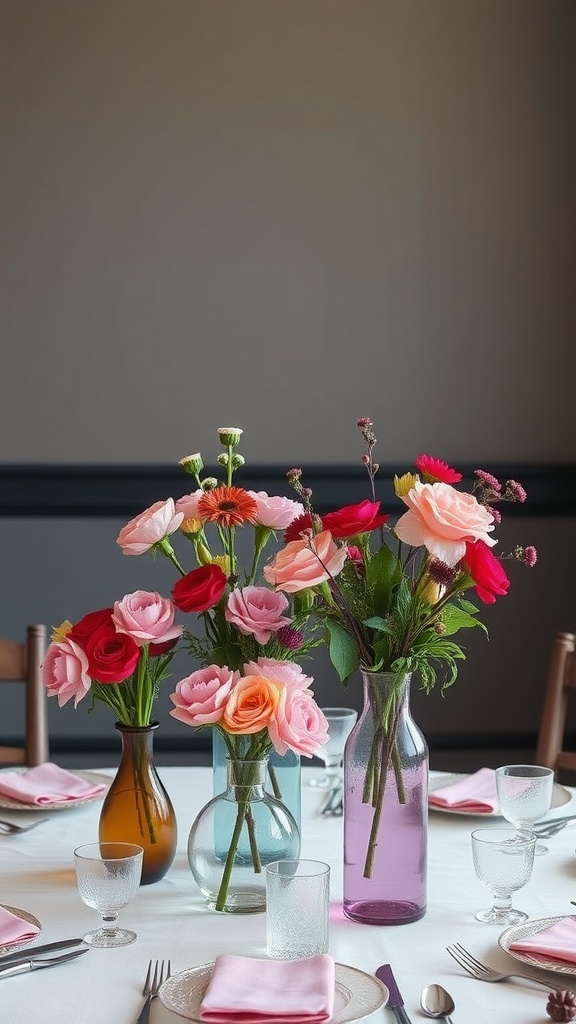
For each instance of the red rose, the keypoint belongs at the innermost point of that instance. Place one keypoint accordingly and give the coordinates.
(84, 629)
(200, 589)
(486, 571)
(353, 519)
(112, 656)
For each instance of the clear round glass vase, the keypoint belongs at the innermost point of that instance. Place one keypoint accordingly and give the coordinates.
(385, 807)
(235, 835)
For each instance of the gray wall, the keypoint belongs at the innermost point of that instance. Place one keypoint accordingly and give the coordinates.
(286, 214)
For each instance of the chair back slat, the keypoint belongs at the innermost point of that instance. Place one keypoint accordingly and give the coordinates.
(21, 663)
(561, 679)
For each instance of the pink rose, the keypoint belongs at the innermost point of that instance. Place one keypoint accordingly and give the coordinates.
(298, 724)
(275, 512)
(146, 617)
(201, 697)
(443, 519)
(286, 672)
(149, 528)
(257, 611)
(305, 563)
(65, 672)
(188, 505)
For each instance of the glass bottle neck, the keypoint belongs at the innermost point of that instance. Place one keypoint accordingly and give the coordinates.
(246, 779)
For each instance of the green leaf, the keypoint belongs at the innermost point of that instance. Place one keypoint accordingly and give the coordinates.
(383, 573)
(343, 650)
(454, 618)
(376, 622)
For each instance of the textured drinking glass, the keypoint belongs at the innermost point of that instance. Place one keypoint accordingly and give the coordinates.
(341, 721)
(525, 794)
(108, 876)
(503, 861)
(297, 907)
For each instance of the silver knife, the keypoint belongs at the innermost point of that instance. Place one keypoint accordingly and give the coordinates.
(25, 954)
(37, 964)
(395, 1001)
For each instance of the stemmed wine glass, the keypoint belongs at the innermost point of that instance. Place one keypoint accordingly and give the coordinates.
(525, 794)
(108, 876)
(503, 861)
(341, 721)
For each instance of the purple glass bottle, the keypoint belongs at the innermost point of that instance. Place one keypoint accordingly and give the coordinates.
(385, 807)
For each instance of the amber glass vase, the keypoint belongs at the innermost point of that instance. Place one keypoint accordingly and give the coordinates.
(137, 808)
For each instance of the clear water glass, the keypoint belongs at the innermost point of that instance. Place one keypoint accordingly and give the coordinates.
(503, 861)
(297, 908)
(525, 794)
(108, 876)
(341, 721)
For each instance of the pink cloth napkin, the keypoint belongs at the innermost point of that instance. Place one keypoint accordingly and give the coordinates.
(244, 990)
(557, 942)
(46, 784)
(13, 929)
(475, 794)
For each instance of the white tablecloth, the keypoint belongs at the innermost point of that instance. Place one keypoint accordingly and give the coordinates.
(170, 917)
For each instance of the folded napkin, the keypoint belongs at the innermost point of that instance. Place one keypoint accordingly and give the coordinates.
(46, 784)
(13, 929)
(243, 990)
(557, 942)
(475, 794)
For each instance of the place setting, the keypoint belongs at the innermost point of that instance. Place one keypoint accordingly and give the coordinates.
(298, 981)
(50, 788)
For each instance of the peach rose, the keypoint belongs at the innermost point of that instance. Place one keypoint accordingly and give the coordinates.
(257, 612)
(298, 724)
(250, 705)
(305, 563)
(200, 698)
(149, 528)
(65, 672)
(287, 673)
(442, 520)
(146, 617)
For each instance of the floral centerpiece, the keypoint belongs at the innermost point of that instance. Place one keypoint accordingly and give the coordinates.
(120, 656)
(248, 687)
(393, 607)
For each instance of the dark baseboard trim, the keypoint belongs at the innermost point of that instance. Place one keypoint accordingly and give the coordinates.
(115, 490)
(196, 742)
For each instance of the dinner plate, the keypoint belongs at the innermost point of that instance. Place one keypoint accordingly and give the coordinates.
(560, 796)
(12, 804)
(24, 916)
(356, 995)
(527, 930)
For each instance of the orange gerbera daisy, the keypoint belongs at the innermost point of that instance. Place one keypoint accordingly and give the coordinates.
(228, 506)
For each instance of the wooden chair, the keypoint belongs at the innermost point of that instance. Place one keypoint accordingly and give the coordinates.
(21, 663)
(561, 680)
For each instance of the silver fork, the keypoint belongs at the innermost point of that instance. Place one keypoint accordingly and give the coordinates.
(9, 828)
(547, 831)
(152, 986)
(481, 971)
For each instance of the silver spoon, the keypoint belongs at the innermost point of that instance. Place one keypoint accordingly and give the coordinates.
(437, 1002)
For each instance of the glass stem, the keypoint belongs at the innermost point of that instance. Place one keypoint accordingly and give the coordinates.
(109, 920)
(502, 903)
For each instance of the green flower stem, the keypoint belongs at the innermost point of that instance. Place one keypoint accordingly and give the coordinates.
(383, 754)
(243, 814)
(167, 549)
